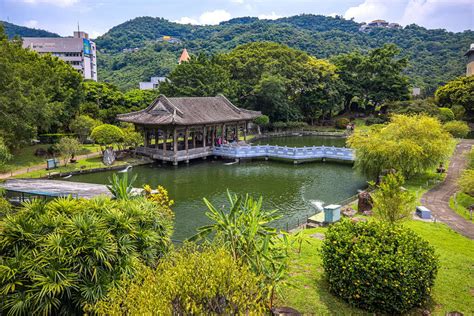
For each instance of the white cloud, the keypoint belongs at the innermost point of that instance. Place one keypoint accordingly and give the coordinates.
(207, 18)
(187, 20)
(237, 1)
(59, 3)
(272, 16)
(214, 17)
(368, 10)
(333, 15)
(31, 23)
(423, 12)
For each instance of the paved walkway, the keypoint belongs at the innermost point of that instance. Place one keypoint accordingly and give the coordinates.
(41, 167)
(437, 199)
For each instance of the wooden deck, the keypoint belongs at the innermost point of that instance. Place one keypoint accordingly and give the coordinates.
(54, 188)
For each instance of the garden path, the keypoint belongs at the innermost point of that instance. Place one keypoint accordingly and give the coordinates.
(437, 199)
(42, 166)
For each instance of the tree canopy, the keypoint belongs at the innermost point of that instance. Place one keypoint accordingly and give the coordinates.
(459, 91)
(408, 144)
(38, 93)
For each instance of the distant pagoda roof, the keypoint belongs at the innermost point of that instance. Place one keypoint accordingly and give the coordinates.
(470, 51)
(189, 111)
(184, 56)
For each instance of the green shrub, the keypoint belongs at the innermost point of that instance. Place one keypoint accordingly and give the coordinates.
(189, 282)
(458, 129)
(107, 134)
(446, 115)
(378, 267)
(5, 155)
(466, 182)
(57, 256)
(376, 120)
(341, 123)
(279, 125)
(295, 124)
(392, 203)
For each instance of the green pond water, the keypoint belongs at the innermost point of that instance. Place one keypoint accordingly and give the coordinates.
(284, 186)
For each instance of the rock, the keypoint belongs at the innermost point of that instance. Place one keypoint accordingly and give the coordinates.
(365, 202)
(367, 213)
(349, 212)
(454, 313)
(109, 156)
(41, 152)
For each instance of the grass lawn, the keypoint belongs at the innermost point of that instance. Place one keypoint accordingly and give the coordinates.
(460, 204)
(308, 291)
(84, 164)
(25, 157)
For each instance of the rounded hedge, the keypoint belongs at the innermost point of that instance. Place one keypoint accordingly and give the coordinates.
(378, 267)
(458, 129)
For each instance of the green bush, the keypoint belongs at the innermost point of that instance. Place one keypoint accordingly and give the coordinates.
(190, 281)
(466, 182)
(341, 123)
(376, 120)
(458, 129)
(107, 134)
(53, 138)
(295, 124)
(279, 125)
(446, 115)
(378, 267)
(56, 257)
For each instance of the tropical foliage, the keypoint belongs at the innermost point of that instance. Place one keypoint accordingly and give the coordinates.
(245, 233)
(391, 202)
(57, 257)
(121, 188)
(190, 281)
(5, 155)
(378, 267)
(408, 144)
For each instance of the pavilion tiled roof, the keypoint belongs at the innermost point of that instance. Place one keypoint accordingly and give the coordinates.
(189, 111)
(184, 56)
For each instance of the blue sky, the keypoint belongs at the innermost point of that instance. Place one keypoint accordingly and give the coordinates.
(97, 16)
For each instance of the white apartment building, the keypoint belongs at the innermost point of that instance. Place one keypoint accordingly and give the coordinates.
(78, 51)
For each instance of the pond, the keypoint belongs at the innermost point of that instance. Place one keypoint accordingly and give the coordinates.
(285, 187)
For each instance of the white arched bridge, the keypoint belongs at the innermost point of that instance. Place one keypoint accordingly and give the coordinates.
(296, 154)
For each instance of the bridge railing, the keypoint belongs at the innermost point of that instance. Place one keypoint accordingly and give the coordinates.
(294, 153)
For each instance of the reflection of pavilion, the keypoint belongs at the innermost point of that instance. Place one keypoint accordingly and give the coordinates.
(180, 129)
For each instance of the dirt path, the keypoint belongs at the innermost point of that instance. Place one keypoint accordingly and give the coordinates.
(40, 167)
(437, 199)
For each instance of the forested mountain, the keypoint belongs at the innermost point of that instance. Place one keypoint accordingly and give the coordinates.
(12, 30)
(435, 56)
(134, 51)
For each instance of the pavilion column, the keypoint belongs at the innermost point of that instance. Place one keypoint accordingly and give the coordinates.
(237, 127)
(175, 140)
(213, 136)
(245, 131)
(223, 132)
(145, 136)
(194, 138)
(204, 136)
(186, 139)
(165, 139)
(157, 138)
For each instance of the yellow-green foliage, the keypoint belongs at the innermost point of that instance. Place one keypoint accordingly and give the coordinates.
(458, 129)
(190, 281)
(408, 144)
(392, 203)
(466, 182)
(159, 196)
